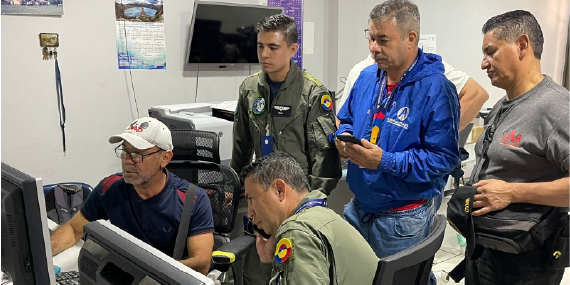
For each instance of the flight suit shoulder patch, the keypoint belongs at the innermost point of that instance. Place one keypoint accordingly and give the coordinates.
(284, 250)
(327, 102)
(255, 74)
(312, 78)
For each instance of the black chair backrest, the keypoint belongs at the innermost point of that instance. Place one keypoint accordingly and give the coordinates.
(195, 145)
(220, 182)
(413, 265)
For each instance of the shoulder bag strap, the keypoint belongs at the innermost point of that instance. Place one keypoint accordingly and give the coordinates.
(487, 139)
(182, 234)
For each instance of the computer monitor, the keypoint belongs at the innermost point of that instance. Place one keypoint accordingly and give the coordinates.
(112, 256)
(26, 249)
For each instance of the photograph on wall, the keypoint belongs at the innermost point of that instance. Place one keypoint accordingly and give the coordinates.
(32, 7)
(140, 34)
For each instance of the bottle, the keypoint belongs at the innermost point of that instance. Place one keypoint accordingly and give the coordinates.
(462, 242)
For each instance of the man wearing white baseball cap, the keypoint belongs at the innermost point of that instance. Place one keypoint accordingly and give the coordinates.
(145, 200)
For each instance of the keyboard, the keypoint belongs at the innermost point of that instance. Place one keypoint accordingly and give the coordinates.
(67, 278)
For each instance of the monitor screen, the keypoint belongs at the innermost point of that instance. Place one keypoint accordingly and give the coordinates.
(112, 256)
(26, 250)
(225, 34)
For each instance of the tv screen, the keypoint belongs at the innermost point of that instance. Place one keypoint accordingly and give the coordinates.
(225, 34)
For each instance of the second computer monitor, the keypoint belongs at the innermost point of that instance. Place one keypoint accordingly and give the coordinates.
(112, 256)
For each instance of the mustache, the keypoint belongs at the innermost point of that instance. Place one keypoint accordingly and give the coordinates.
(129, 168)
(377, 56)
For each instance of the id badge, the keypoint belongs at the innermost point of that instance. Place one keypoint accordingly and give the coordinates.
(375, 134)
(266, 145)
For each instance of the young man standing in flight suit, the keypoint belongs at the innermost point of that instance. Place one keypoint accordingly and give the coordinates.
(283, 108)
(286, 109)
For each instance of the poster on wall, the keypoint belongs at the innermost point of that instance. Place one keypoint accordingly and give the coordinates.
(294, 9)
(427, 42)
(140, 34)
(32, 7)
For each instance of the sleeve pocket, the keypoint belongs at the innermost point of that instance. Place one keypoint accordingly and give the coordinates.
(321, 129)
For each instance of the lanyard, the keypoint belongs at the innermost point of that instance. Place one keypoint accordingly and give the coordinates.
(383, 100)
(311, 203)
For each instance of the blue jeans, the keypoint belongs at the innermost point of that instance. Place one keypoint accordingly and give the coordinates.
(437, 201)
(391, 232)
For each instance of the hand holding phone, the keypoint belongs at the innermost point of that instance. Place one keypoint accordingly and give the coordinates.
(348, 138)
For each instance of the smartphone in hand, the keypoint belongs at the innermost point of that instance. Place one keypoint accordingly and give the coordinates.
(349, 138)
(261, 232)
(251, 228)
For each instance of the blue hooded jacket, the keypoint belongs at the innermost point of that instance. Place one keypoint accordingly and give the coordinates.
(419, 135)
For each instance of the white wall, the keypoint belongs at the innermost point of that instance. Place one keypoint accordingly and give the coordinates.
(98, 96)
(457, 24)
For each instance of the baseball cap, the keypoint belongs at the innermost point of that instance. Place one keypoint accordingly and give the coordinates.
(459, 210)
(145, 133)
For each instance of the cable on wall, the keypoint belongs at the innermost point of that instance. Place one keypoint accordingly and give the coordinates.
(196, 95)
(60, 105)
(130, 72)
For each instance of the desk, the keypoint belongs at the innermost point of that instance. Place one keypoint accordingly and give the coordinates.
(67, 259)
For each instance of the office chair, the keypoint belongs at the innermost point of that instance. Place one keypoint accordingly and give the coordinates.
(65, 199)
(85, 186)
(413, 265)
(196, 159)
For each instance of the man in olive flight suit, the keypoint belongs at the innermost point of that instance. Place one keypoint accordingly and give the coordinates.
(284, 109)
(310, 243)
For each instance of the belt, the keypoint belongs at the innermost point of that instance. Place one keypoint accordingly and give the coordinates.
(410, 206)
(372, 216)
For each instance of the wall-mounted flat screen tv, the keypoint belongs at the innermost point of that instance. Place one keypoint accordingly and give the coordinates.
(225, 34)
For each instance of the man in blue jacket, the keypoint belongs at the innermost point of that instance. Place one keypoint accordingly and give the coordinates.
(406, 115)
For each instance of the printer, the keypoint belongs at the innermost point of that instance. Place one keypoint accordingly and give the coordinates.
(196, 116)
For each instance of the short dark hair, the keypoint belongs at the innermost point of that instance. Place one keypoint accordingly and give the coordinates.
(511, 25)
(280, 23)
(277, 165)
(406, 13)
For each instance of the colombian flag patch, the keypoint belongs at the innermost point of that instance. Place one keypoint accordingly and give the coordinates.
(326, 102)
(283, 250)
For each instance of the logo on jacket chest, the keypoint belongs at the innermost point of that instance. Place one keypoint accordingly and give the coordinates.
(401, 116)
(511, 139)
(258, 106)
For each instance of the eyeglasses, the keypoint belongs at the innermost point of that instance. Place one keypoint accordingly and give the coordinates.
(367, 34)
(135, 156)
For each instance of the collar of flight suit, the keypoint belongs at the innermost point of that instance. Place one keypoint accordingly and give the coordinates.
(294, 71)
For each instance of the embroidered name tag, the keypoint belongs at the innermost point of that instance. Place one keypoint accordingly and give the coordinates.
(281, 111)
